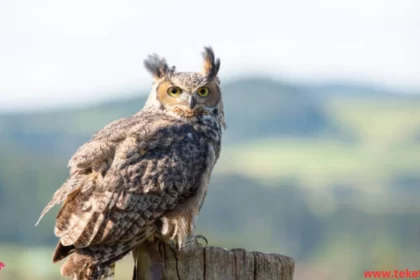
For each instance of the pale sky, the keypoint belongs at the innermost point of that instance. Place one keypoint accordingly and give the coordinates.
(59, 53)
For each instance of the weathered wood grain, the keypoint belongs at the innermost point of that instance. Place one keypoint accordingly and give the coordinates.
(214, 263)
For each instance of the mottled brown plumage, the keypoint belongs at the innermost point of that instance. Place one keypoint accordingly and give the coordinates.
(144, 177)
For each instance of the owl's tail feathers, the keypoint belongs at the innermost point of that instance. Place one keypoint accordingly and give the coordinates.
(61, 252)
(81, 268)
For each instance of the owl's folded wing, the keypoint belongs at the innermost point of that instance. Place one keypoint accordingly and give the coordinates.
(92, 155)
(96, 154)
(106, 216)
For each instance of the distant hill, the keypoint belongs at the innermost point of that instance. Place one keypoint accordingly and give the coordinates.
(254, 108)
(346, 90)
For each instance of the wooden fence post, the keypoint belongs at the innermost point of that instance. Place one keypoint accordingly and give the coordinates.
(215, 263)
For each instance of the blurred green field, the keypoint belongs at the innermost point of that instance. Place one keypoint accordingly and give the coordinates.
(384, 123)
(382, 147)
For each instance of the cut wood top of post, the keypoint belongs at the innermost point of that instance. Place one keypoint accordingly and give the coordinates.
(220, 264)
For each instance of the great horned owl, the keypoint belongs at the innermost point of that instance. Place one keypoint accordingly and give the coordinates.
(144, 177)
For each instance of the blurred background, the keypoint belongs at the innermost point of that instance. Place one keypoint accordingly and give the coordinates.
(321, 156)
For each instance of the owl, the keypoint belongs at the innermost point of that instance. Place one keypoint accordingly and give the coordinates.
(144, 178)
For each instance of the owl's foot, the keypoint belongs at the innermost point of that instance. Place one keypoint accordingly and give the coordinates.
(200, 237)
(173, 231)
(195, 241)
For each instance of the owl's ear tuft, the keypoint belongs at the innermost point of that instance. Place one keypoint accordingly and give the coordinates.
(211, 64)
(157, 66)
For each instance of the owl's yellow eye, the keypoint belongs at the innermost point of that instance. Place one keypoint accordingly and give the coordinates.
(203, 91)
(174, 91)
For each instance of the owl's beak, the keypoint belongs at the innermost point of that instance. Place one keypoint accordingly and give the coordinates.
(192, 102)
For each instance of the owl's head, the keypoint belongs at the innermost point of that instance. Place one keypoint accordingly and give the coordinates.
(186, 94)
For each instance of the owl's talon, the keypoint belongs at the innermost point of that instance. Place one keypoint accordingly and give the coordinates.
(202, 237)
(168, 228)
(179, 242)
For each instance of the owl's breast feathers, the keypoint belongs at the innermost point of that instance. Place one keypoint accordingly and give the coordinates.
(127, 176)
